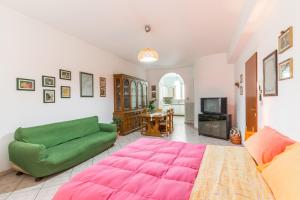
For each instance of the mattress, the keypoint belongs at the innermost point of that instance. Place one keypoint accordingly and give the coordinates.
(152, 169)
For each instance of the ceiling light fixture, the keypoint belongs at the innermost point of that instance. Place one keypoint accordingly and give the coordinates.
(147, 55)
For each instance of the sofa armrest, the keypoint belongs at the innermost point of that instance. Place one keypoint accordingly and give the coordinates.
(22, 153)
(108, 127)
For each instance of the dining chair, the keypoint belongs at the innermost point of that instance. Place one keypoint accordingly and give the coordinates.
(164, 125)
(171, 113)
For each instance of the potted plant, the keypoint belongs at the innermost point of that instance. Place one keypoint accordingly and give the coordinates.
(151, 106)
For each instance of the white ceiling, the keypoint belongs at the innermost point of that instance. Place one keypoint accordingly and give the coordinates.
(182, 30)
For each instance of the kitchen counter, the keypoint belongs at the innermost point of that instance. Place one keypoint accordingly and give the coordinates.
(178, 108)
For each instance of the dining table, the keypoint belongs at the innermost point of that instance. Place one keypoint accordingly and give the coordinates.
(152, 121)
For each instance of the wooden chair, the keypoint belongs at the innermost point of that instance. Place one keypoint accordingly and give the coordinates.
(164, 125)
(143, 125)
(171, 113)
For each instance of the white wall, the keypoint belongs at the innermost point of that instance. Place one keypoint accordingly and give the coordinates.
(30, 49)
(279, 112)
(213, 77)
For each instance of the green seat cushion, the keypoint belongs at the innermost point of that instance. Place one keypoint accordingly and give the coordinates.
(57, 133)
(71, 150)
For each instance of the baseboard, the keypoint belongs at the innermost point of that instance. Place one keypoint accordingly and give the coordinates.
(189, 122)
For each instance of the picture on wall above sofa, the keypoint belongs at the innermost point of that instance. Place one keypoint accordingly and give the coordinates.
(86, 84)
(65, 92)
(25, 84)
(64, 74)
(48, 81)
(49, 96)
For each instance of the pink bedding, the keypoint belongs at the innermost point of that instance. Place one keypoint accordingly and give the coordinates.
(151, 169)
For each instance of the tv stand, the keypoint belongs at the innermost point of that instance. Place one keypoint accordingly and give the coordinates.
(214, 125)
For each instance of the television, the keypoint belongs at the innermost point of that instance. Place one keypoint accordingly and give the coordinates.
(216, 106)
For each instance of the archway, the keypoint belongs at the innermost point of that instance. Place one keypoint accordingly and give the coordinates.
(172, 93)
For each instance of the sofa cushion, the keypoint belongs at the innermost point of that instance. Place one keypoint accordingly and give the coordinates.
(53, 134)
(86, 145)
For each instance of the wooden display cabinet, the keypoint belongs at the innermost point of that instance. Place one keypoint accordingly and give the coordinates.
(130, 101)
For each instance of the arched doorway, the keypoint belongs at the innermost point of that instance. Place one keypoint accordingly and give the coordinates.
(172, 93)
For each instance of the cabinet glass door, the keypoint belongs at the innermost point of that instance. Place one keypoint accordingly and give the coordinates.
(140, 95)
(133, 95)
(126, 95)
(118, 95)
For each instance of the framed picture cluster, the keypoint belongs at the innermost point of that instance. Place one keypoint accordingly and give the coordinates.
(65, 91)
(274, 72)
(153, 91)
(86, 85)
(285, 42)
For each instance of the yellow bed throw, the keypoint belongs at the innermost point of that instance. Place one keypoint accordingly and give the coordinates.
(229, 173)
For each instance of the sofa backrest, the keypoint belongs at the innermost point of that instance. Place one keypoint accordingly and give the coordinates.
(57, 133)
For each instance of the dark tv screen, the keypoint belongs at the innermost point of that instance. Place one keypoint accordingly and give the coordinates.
(214, 105)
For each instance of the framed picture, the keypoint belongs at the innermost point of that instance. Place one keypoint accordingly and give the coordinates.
(102, 87)
(25, 84)
(64, 74)
(241, 78)
(270, 75)
(153, 95)
(48, 81)
(65, 92)
(286, 69)
(86, 84)
(49, 96)
(285, 40)
(241, 90)
(153, 87)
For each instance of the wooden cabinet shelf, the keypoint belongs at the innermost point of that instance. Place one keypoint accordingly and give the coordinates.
(130, 101)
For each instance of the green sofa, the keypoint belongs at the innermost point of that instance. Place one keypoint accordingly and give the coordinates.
(48, 149)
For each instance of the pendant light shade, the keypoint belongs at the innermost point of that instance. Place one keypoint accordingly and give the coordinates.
(148, 55)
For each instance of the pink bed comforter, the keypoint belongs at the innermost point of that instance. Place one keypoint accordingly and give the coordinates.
(151, 169)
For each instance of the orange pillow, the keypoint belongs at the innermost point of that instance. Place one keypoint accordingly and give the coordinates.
(283, 174)
(266, 144)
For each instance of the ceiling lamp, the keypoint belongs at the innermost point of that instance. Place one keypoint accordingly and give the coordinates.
(147, 55)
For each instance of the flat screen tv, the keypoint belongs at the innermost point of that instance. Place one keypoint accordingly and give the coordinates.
(214, 105)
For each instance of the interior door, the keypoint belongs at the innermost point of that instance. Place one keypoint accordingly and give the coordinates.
(251, 96)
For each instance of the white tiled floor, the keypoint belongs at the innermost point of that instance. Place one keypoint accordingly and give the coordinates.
(24, 187)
